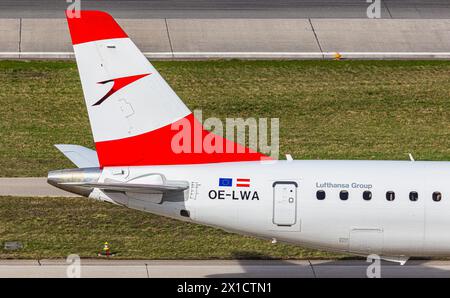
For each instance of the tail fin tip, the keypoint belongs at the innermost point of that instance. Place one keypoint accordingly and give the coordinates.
(93, 25)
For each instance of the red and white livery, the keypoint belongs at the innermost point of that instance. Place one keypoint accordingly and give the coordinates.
(131, 108)
(396, 209)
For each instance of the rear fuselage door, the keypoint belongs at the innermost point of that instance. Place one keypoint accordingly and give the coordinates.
(284, 203)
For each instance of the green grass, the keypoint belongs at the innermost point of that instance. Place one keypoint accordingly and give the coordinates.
(53, 227)
(327, 109)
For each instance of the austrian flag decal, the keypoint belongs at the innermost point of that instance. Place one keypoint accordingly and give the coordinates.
(243, 182)
(240, 182)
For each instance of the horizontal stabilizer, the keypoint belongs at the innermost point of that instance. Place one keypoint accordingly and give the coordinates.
(136, 188)
(81, 156)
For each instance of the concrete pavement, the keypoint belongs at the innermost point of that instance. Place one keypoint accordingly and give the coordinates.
(222, 269)
(244, 38)
(30, 187)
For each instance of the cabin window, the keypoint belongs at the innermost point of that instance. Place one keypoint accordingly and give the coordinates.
(367, 195)
(390, 195)
(413, 196)
(320, 195)
(343, 195)
(437, 196)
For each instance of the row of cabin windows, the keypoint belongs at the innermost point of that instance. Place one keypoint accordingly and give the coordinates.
(390, 195)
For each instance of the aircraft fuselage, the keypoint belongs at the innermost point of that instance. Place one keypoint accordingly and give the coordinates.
(392, 208)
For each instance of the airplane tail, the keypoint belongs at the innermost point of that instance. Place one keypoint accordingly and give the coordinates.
(132, 110)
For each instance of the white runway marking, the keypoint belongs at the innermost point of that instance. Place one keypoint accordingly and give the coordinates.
(246, 55)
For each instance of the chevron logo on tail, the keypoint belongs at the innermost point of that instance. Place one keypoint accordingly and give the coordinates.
(119, 83)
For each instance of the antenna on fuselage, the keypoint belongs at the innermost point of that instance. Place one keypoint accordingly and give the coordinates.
(411, 158)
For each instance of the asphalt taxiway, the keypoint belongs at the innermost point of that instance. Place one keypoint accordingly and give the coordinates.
(391, 9)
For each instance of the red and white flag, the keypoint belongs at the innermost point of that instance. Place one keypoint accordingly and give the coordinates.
(243, 182)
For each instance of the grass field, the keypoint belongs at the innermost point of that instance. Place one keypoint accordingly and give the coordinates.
(53, 227)
(327, 110)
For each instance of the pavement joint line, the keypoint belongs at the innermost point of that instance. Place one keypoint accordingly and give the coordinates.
(146, 269)
(315, 36)
(312, 268)
(387, 9)
(20, 35)
(168, 36)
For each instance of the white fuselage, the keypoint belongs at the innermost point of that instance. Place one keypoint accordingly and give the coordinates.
(285, 206)
(137, 119)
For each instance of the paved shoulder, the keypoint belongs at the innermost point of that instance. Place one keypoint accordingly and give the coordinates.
(30, 187)
(220, 269)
